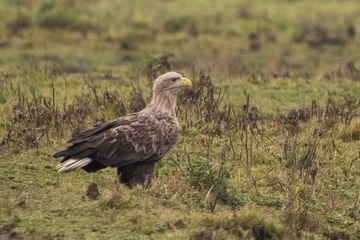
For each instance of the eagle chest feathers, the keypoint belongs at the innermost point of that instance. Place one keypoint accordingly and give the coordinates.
(132, 143)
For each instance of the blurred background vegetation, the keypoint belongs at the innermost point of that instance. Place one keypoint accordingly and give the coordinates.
(229, 38)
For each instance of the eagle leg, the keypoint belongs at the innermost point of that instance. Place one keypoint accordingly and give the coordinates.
(140, 173)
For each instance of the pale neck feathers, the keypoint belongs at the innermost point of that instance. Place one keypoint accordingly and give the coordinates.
(163, 101)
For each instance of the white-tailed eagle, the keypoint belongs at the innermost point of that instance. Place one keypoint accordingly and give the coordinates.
(132, 143)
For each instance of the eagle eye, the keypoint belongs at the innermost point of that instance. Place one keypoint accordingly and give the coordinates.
(174, 79)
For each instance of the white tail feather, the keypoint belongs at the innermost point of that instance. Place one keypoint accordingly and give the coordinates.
(73, 164)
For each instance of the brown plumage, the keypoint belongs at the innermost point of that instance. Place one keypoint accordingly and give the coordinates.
(132, 143)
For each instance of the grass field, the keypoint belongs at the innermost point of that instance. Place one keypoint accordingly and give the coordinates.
(270, 130)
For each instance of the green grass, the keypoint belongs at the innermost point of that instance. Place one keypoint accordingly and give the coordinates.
(204, 36)
(269, 144)
(218, 182)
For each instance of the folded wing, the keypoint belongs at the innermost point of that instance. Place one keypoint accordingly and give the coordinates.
(143, 136)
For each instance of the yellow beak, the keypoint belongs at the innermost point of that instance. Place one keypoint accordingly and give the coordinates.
(185, 82)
